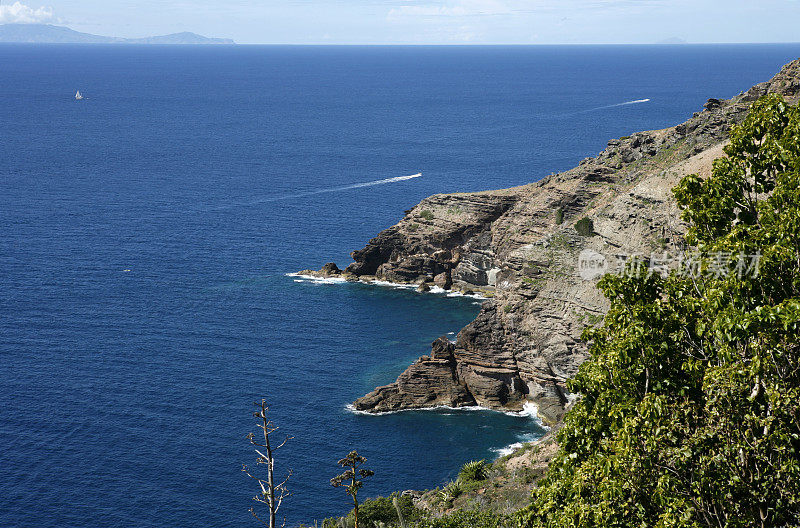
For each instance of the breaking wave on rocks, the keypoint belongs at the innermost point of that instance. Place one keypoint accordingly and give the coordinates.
(437, 408)
(299, 277)
(523, 439)
(529, 410)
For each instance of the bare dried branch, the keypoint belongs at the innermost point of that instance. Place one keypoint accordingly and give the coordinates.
(267, 486)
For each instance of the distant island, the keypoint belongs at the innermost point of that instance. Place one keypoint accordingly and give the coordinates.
(672, 40)
(49, 34)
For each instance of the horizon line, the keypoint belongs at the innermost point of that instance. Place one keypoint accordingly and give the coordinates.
(398, 44)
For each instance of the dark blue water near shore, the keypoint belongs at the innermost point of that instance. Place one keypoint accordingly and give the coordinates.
(145, 233)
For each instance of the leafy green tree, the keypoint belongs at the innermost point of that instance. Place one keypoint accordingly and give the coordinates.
(355, 475)
(690, 408)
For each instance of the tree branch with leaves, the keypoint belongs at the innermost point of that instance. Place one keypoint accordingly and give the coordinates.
(355, 475)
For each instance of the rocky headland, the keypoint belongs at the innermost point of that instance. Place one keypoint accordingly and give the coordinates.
(520, 248)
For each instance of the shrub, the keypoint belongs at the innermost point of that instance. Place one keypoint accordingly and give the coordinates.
(585, 227)
(450, 492)
(427, 215)
(475, 470)
(381, 509)
(559, 216)
(466, 519)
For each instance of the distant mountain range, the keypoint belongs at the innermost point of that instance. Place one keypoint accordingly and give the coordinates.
(45, 33)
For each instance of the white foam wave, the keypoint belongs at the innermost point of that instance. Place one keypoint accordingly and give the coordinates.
(503, 451)
(312, 192)
(510, 448)
(450, 293)
(386, 284)
(529, 410)
(466, 408)
(473, 295)
(318, 280)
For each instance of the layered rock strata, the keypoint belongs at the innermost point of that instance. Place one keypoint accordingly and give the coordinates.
(520, 247)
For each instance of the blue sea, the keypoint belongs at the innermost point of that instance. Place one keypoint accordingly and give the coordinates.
(146, 233)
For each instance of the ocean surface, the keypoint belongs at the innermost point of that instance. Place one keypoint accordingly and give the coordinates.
(147, 230)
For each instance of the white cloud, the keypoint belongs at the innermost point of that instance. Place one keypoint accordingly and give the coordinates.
(472, 8)
(460, 8)
(18, 13)
(424, 10)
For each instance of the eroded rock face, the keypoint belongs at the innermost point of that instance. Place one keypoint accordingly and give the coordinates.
(421, 245)
(519, 246)
(430, 381)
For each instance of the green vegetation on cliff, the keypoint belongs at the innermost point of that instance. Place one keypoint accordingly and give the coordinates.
(690, 408)
(584, 227)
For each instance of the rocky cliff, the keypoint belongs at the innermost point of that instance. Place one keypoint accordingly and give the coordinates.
(520, 247)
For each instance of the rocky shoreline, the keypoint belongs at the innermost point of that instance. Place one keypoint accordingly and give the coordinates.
(520, 249)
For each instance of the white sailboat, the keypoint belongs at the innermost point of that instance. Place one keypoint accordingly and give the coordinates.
(78, 95)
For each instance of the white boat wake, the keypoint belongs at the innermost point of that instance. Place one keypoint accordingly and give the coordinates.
(635, 101)
(368, 184)
(347, 187)
(626, 103)
(328, 190)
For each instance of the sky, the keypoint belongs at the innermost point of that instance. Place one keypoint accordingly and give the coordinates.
(426, 21)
